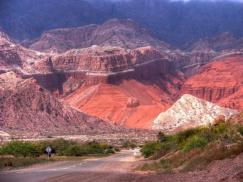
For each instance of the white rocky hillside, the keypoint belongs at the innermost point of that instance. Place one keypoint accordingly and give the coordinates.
(188, 112)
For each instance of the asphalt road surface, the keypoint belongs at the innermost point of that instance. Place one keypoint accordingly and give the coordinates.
(113, 168)
(119, 168)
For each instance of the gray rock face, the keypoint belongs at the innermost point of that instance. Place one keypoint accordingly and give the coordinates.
(189, 112)
(123, 33)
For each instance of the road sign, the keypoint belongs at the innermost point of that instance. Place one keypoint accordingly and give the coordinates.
(48, 151)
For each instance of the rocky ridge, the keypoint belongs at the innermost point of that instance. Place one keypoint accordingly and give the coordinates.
(189, 112)
(121, 33)
(223, 42)
(29, 110)
(15, 57)
(219, 81)
(86, 78)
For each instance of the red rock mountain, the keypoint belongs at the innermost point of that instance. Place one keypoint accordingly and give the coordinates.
(220, 81)
(122, 33)
(113, 80)
(28, 110)
(126, 87)
(96, 65)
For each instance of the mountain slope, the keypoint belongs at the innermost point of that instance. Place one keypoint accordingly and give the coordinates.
(28, 110)
(220, 81)
(126, 87)
(14, 56)
(130, 103)
(222, 42)
(189, 112)
(28, 19)
(122, 33)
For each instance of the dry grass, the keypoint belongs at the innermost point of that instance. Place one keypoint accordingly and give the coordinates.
(194, 149)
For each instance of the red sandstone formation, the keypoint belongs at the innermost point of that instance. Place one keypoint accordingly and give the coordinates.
(129, 87)
(113, 101)
(220, 82)
(26, 109)
(106, 60)
(121, 33)
(96, 65)
(102, 80)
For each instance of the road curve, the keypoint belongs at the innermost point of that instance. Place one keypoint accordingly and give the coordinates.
(118, 168)
(99, 169)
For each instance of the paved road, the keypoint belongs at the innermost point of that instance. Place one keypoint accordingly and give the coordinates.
(102, 169)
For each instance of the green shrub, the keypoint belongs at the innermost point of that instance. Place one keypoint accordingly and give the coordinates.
(182, 136)
(60, 147)
(150, 149)
(194, 142)
(19, 148)
(184, 148)
(74, 150)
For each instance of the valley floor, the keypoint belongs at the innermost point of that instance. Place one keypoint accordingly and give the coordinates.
(119, 168)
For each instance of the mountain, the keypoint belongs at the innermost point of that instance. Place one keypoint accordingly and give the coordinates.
(219, 81)
(121, 33)
(14, 56)
(175, 22)
(222, 42)
(28, 19)
(127, 87)
(28, 110)
(188, 112)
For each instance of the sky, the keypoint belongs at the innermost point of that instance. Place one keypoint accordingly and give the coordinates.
(208, 0)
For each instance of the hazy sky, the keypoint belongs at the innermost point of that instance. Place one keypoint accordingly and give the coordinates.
(208, 0)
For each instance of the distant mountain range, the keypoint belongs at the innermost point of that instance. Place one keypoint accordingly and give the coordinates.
(176, 23)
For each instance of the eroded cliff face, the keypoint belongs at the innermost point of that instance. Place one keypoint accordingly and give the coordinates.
(190, 63)
(15, 57)
(121, 33)
(189, 112)
(28, 110)
(97, 64)
(219, 82)
(128, 88)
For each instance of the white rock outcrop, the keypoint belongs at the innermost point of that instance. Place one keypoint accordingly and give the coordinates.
(188, 112)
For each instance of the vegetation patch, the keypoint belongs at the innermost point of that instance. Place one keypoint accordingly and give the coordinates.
(194, 148)
(20, 153)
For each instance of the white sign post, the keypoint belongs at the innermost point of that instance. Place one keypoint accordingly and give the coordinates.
(48, 151)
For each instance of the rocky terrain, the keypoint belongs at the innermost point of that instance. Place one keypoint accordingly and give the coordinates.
(125, 84)
(189, 112)
(166, 19)
(219, 81)
(121, 74)
(124, 103)
(223, 42)
(15, 57)
(121, 33)
(29, 110)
